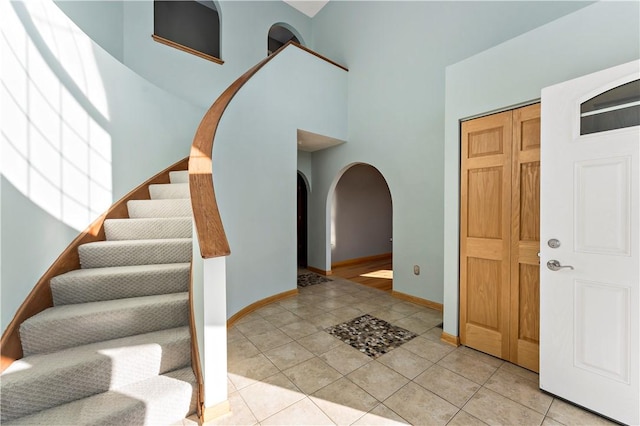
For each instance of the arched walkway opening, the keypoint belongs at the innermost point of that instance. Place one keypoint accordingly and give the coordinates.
(279, 35)
(302, 220)
(362, 227)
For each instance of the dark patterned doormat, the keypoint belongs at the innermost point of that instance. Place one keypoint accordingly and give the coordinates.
(309, 278)
(370, 335)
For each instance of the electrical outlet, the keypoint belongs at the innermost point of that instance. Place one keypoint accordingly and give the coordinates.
(416, 269)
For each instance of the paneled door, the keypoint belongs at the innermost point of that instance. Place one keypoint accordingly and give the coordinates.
(590, 303)
(485, 230)
(499, 235)
(524, 324)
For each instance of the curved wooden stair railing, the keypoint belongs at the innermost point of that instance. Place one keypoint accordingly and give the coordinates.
(40, 298)
(210, 232)
(206, 216)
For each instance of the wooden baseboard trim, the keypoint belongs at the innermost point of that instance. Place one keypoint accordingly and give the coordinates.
(383, 256)
(320, 271)
(417, 300)
(259, 304)
(215, 411)
(448, 338)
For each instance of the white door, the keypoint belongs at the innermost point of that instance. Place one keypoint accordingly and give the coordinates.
(590, 185)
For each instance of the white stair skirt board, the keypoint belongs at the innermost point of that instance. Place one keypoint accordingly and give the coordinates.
(181, 176)
(135, 252)
(116, 346)
(148, 228)
(119, 282)
(169, 190)
(159, 208)
(40, 382)
(159, 400)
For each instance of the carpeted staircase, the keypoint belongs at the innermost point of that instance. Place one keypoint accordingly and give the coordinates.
(115, 348)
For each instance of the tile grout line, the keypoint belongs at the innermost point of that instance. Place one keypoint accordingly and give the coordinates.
(385, 305)
(345, 376)
(513, 400)
(280, 371)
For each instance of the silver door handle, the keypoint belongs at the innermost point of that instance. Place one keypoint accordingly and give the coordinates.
(554, 265)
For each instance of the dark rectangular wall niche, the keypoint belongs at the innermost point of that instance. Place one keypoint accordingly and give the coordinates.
(188, 23)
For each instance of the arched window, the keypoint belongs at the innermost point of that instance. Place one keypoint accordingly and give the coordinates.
(191, 26)
(614, 109)
(279, 35)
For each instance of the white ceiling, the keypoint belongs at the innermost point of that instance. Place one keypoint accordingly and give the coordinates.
(308, 7)
(311, 142)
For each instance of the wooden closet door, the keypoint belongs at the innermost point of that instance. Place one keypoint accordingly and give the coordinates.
(485, 233)
(525, 238)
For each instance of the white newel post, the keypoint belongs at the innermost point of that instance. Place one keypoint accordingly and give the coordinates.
(210, 314)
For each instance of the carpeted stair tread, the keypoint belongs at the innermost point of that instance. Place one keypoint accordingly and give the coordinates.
(102, 254)
(119, 282)
(179, 176)
(148, 228)
(164, 191)
(159, 400)
(43, 381)
(116, 346)
(159, 208)
(186, 375)
(66, 326)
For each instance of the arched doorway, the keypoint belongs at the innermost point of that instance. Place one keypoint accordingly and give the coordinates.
(302, 221)
(279, 35)
(362, 227)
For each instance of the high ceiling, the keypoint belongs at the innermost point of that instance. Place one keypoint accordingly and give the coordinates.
(308, 7)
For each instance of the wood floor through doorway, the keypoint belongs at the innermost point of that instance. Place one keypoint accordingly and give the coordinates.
(373, 272)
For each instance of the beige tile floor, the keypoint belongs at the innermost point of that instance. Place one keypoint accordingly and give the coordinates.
(285, 370)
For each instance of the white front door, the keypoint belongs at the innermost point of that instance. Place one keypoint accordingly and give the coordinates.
(590, 186)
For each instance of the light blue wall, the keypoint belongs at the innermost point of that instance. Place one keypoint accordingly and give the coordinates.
(396, 53)
(67, 102)
(594, 38)
(244, 29)
(147, 127)
(102, 21)
(23, 259)
(254, 168)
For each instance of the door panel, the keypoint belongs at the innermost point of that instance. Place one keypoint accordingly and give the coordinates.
(500, 228)
(529, 209)
(529, 306)
(483, 287)
(590, 323)
(602, 322)
(485, 199)
(487, 141)
(484, 245)
(524, 334)
(602, 189)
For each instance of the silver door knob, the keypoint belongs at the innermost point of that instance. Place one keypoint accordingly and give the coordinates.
(554, 265)
(553, 243)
